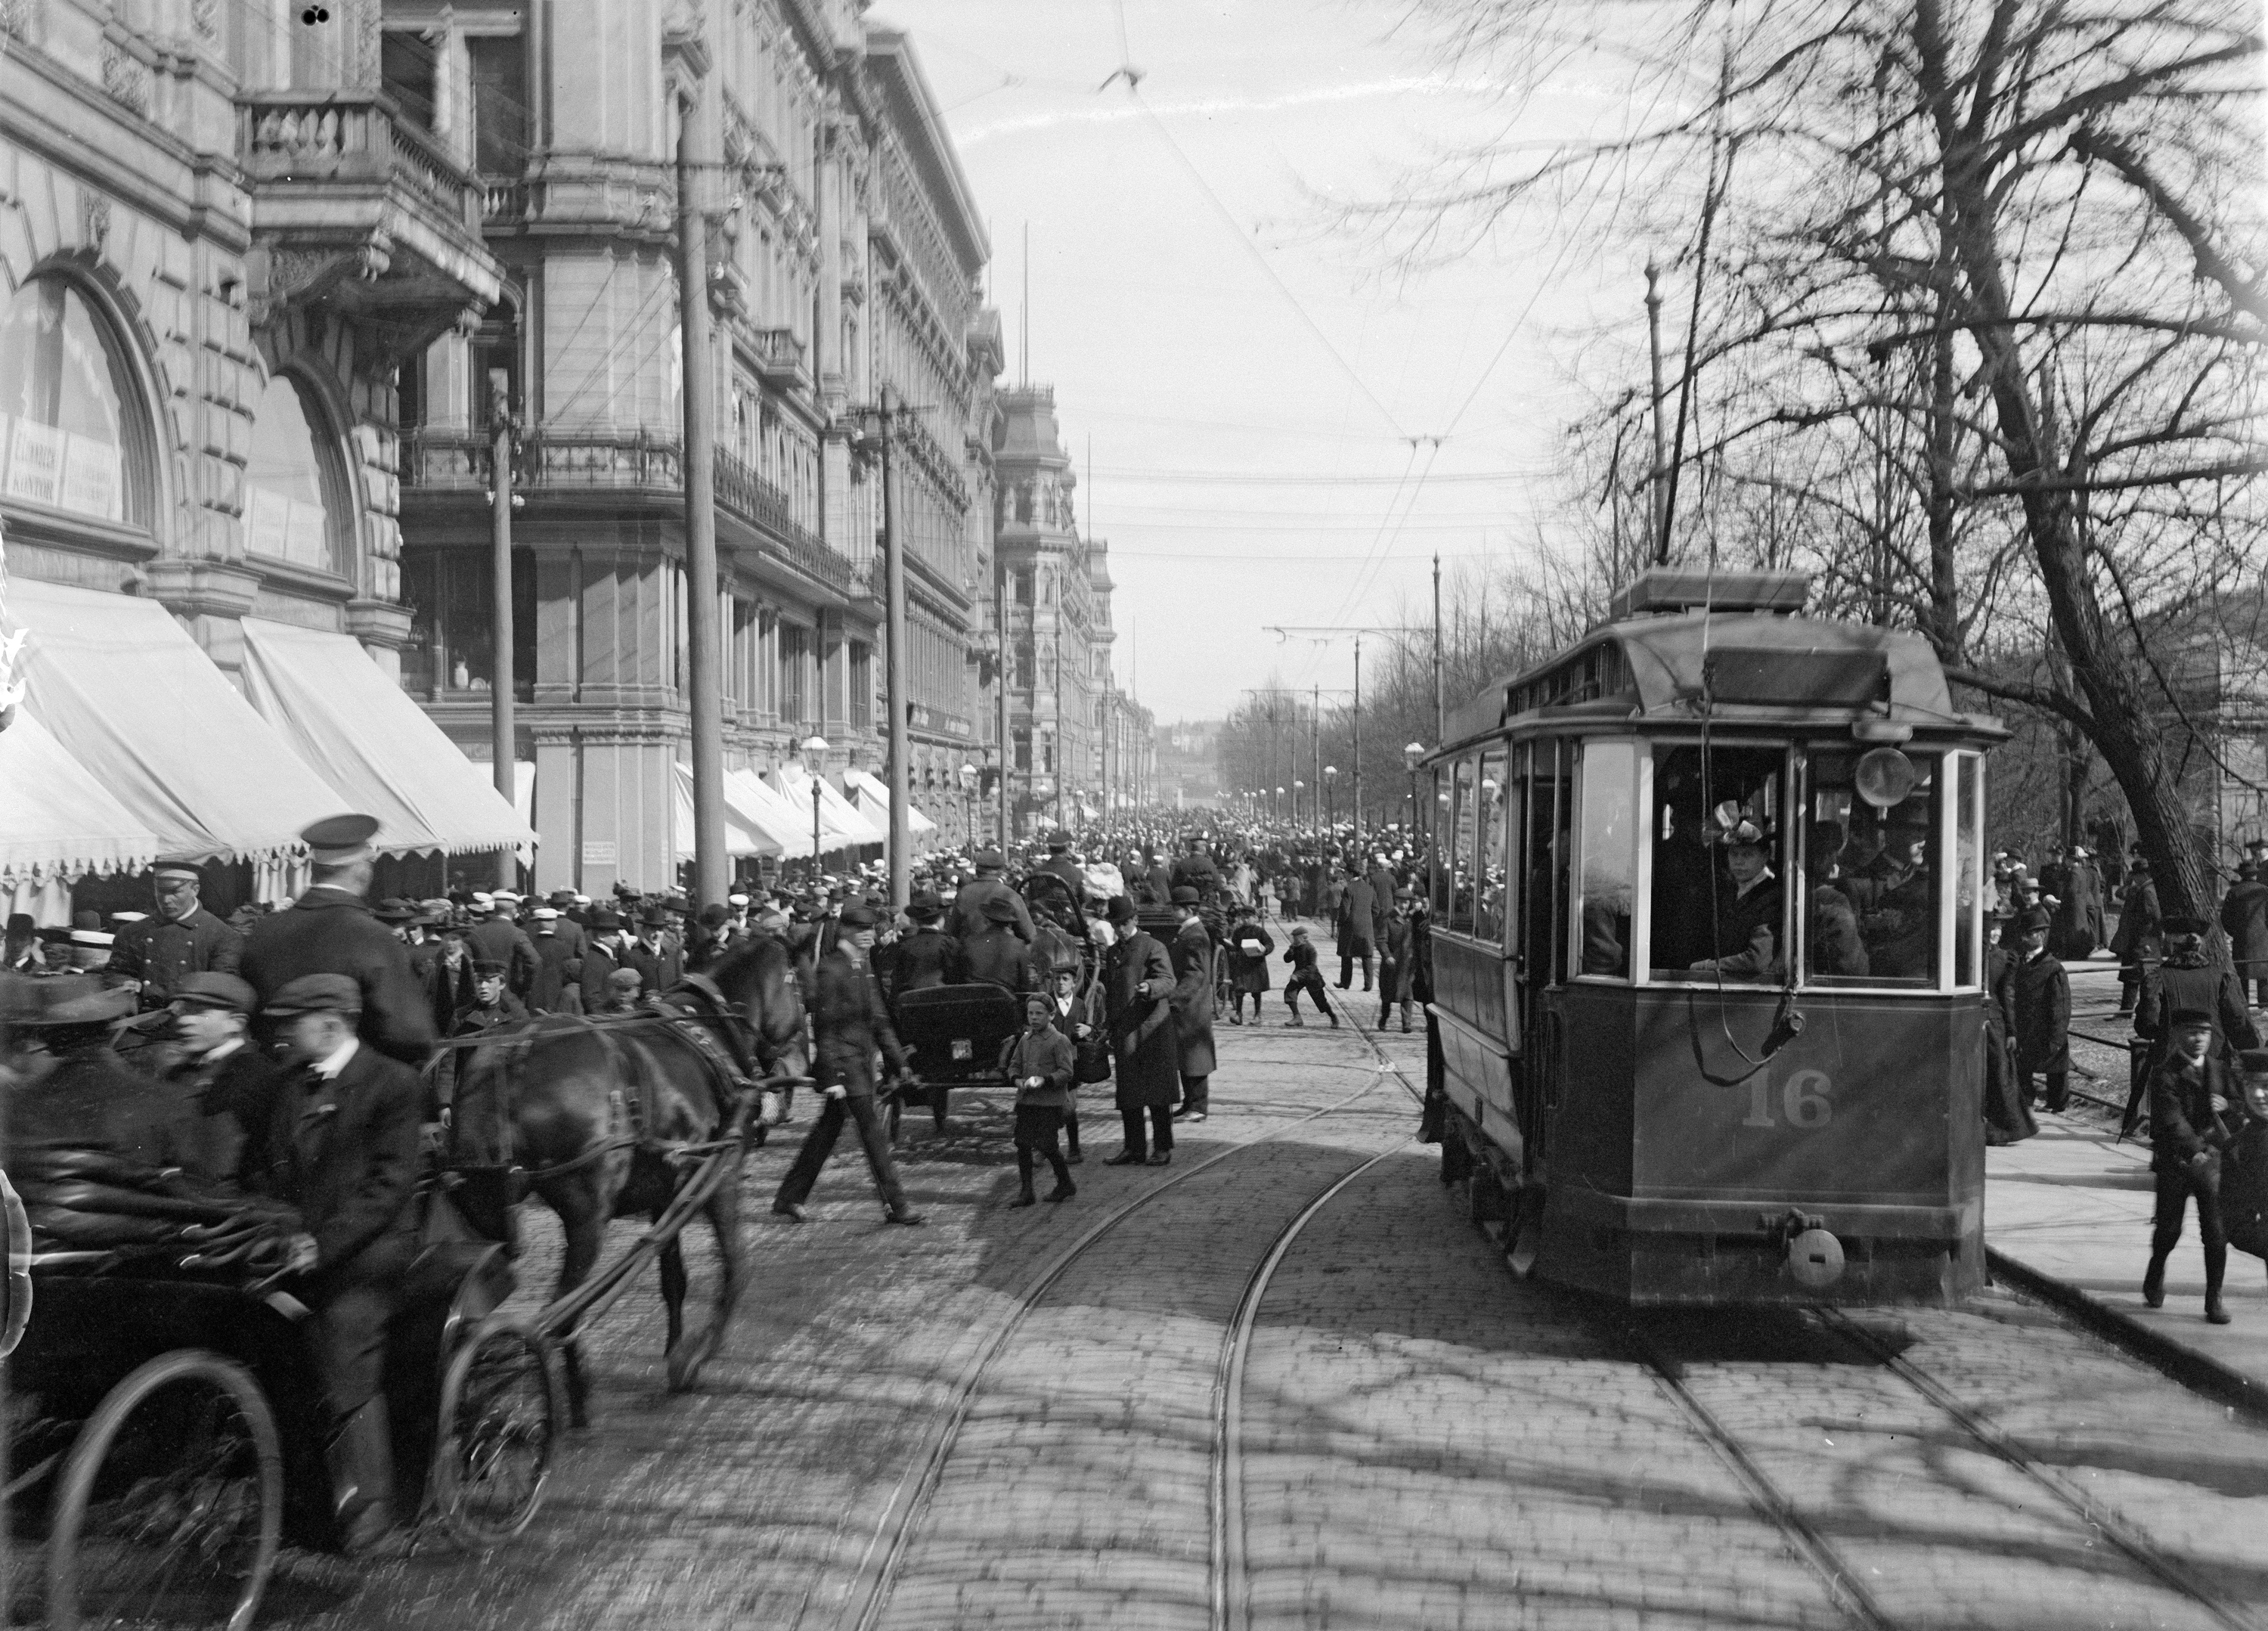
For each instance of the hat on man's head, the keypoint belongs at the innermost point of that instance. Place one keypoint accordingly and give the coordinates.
(2185, 1019)
(393, 908)
(179, 868)
(1000, 909)
(1059, 839)
(340, 840)
(65, 1000)
(92, 937)
(2186, 923)
(546, 918)
(87, 920)
(562, 897)
(925, 908)
(216, 991)
(1120, 910)
(653, 917)
(20, 923)
(736, 900)
(119, 919)
(2254, 1061)
(714, 916)
(857, 915)
(2034, 920)
(990, 860)
(317, 993)
(605, 918)
(487, 968)
(625, 979)
(1185, 896)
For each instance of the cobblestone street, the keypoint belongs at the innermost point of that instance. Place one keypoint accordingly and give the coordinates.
(1424, 1441)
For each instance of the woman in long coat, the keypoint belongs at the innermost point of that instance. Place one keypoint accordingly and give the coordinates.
(2008, 1120)
(1191, 955)
(1145, 1055)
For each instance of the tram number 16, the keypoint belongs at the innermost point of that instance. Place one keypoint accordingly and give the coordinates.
(1803, 1100)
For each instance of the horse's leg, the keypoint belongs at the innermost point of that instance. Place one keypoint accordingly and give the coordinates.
(673, 1283)
(582, 1216)
(687, 1357)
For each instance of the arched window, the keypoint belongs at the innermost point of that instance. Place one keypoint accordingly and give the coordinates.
(295, 506)
(74, 434)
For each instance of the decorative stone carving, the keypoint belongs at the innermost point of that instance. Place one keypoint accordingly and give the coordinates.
(93, 221)
(124, 79)
(204, 16)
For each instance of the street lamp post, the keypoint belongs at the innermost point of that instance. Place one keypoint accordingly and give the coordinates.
(968, 780)
(1330, 798)
(814, 761)
(1410, 754)
(1298, 787)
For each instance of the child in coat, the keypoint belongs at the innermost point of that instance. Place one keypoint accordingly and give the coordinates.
(1039, 1060)
(1248, 946)
(1301, 954)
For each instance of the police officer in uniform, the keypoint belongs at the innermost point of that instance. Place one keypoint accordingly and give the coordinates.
(182, 939)
(329, 930)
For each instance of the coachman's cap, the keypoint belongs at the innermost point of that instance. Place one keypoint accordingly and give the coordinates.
(2185, 923)
(990, 860)
(317, 993)
(340, 840)
(216, 991)
(180, 868)
(2185, 1019)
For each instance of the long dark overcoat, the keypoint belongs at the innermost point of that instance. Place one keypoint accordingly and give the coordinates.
(1193, 982)
(328, 931)
(1138, 983)
(2244, 914)
(2042, 1027)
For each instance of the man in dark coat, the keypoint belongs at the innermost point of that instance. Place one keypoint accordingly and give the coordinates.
(2007, 1116)
(65, 1086)
(499, 939)
(1354, 927)
(1196, 871)
(713, 937)
(232, 1083)
(1191, 957)
(1383, 893)
(1394, 967)
(2041, 993)
(656, 953)
(2139, 938)
(1138, 983)
(2190, 1093)
(995, 953)
(1060, 863)
(965, 921)
(850, 1023)
(603, 955)
(492, 1004)
(329, 930)
(926, 955)
(2243, 914)
(558, 987)
(2187, 980)
(341, 1147)
(182, 939)
(1247, 949)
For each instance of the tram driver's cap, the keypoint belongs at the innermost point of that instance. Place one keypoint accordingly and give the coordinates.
(317, 993)
(176, 868)
(2185, 922)
(2192, 1019)
(340, 840)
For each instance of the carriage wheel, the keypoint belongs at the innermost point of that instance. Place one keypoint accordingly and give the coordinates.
(500, 1411)
(172, 1500)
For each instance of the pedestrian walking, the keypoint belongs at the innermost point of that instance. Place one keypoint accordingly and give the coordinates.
(1073, 1015)
(1137, 986)
(1354, 925)
(849, 1024)
(2189, 1094)
(1301, 954)
(1248, 952)
(2243, 916)
(2139, 941)
(1039, 1060)
(2040, 991)
(2186, 979)
(558, 987)
(1192, 958)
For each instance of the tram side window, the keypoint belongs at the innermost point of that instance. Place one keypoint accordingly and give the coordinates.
(1462, 818)
(1874, 869)
(1609, 856)
(1444, 821)
(1494, 798)
(1717, 906)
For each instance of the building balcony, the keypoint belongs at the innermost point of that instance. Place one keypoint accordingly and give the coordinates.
(779, 359)
(356, 209)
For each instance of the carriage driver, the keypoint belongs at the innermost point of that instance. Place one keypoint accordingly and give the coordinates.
(1747, 914)
(341, 1147)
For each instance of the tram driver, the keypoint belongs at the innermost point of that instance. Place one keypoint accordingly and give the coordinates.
(1747, 941)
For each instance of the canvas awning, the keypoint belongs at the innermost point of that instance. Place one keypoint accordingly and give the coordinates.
(769, 811)
(56, 821)
(742, 837)
(132, 697)
(361, 733)
(837, 818)
(868, 787)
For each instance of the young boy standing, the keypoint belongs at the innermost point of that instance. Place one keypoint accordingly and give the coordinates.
(1040, 1062)
(1301, 954)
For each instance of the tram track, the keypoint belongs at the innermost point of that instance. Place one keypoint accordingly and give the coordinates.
(901, 1521)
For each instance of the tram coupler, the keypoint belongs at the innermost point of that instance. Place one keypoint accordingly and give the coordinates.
(1814, 1256)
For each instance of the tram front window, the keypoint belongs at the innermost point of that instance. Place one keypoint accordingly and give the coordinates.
(1608, 857)
(1872, 862)
(1717, 902)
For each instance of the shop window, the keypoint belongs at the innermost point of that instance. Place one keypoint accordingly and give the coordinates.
(295, 502)
(1873, 868)
(794, 665)
(1717, 906)
(74, 435)
(1607, 857)
(451, 597)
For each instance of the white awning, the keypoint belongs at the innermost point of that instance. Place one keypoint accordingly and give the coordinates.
(57, 820)
(865, 786)
(770, 813)
(132, 697)
(742, 837)
(837, 817)
(363, 734)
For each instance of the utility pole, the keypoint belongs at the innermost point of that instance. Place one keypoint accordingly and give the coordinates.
(1440, 715)
(1315, 768)
(1000, 694)
(1660, 551)
(712, 869)
(1357, 746)
(894, 673)
(504, 733)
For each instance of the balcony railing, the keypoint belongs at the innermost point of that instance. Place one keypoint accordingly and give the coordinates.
(779, 355)
(550, 460)
(332, 134)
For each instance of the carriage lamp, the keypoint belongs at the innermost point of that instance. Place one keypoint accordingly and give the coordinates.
(814, 760)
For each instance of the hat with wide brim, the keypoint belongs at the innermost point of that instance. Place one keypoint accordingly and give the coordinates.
(52, 1004)
(999, 909)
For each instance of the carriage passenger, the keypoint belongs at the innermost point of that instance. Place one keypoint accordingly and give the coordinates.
(926, 955)
(997, 954)
(1747, 939)
(229, 1081)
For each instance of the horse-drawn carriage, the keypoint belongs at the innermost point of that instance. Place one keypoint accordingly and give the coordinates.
(165, 1422)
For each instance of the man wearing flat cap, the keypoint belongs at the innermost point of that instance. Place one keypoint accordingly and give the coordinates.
(230, 1085)
(329, 930)
(2187, 978)
(967, 920)
(341, 1147)
(182, 938)
(2192, 1094)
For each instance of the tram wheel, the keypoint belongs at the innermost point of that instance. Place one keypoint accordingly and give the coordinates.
(501, 1407)
(171, 1505)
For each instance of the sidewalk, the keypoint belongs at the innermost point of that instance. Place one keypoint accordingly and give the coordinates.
(2072, 1208)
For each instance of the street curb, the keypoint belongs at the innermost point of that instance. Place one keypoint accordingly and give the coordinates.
(2192, 1369)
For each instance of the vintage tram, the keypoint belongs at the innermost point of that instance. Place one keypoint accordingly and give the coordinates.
(1708, 950)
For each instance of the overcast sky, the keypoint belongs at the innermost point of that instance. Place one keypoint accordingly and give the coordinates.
(1249, 468)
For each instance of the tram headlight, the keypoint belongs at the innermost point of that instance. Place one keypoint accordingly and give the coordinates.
(1816, 1258)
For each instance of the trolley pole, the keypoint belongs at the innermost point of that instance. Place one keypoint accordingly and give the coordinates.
(1000, 698)
(504, 730)
(711, 870)
(1441, 718)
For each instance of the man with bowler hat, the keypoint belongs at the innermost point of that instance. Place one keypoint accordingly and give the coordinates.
(1138, 989)
(341, 1147)
(183, 938)
(849, 1023)
(329, 930)
(603, 955)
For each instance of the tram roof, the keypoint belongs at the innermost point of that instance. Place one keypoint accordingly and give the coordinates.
(1754, 667)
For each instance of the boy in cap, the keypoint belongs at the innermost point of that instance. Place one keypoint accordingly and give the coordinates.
(2189, 1094)
(1301, 954)
(1039, 1061)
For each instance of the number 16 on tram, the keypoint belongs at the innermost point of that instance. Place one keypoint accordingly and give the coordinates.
(1708, 955)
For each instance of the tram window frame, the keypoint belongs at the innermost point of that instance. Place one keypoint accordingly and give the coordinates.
(1967, 924)
(1874, 910)
(1492, 894)
(1440, 866)
(1782, 852)
(1586, 946)
(1464, 782)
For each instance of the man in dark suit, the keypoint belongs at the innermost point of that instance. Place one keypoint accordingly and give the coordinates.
(232, 1083)
(329, 930)
(341, 1147)
(995, 953)
(1196, 871)
(850, 1023)
(2187, 978)
(1060, 863)
(925, 956)
(967, 920)
(656, 953)
(1357, 913)
(183, 938)
(499, 939)
(558, 966)
(603, 955)
(1138, 980)
(2189, 1094)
